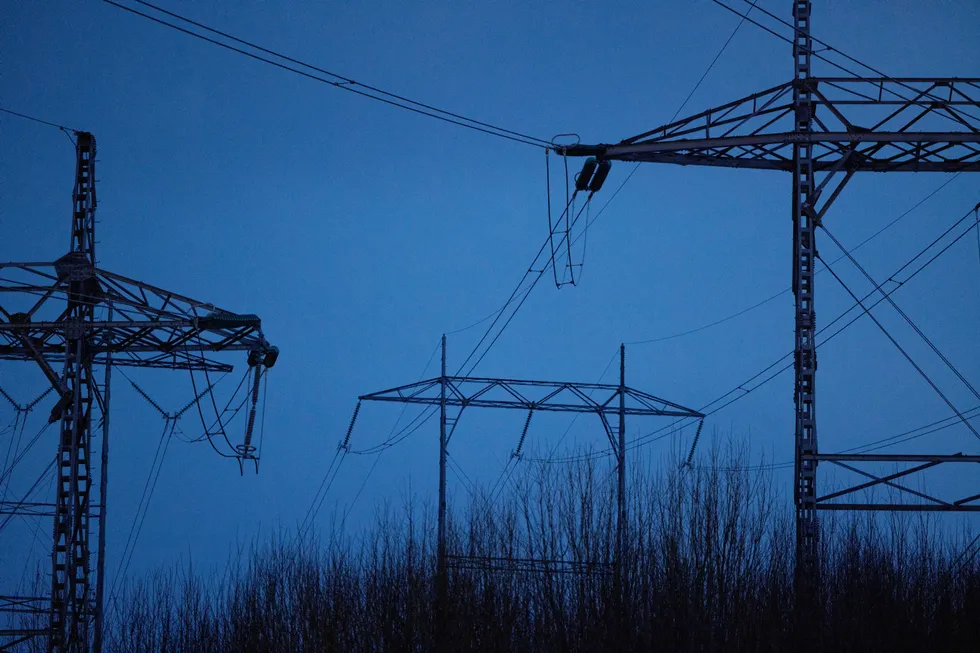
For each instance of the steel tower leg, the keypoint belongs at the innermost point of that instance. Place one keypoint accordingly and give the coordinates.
(103, 502)
(71, 604)
(621, 520)
(804, 257)
(441, 579)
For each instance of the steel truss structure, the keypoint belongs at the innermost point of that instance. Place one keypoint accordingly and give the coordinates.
(823, 130)
(612, 404)
(71, 317)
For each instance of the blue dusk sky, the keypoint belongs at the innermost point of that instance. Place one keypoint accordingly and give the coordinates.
(360, 233)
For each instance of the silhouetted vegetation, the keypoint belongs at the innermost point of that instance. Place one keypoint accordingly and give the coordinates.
(710, 568)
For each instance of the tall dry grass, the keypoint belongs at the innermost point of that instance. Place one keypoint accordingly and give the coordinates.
(709, 567)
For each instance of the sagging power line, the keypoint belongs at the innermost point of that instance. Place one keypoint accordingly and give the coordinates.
(319, 74)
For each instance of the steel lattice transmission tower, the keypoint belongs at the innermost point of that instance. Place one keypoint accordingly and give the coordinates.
(78, 316)
(823, 130)
(611, 403)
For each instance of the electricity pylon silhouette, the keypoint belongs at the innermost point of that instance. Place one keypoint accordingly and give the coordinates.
(77, 316)
(611, 403)
(823, 130)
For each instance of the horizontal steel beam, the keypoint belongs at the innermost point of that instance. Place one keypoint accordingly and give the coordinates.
(54, 350)
(710, 161)
(898, 507)
(791, 138)
(470, 391)
(939, 81)
(182, 363)
(533, 565)
(892, 458)
(21, 635)
(26, 264)
(97, 326)
(528, 405)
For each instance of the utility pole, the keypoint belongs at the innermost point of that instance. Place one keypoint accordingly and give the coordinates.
(823, 130)
(442, 580)
(79, 317)
(622, 523)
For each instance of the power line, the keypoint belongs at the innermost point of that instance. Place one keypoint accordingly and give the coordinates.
(482, 320)
(704, 327)
(904, 315)
(978, 244)
(517, 291)
(676, 113)
(648, 438)
(868, 447)
(344, 83)
(4, 474)
(357, 494)
(779, 294)
(898, 285)
(156, 466)
(320, 495)
(394, 438)
(144, 505)
(904, 353)
(218, 415)
(468, 484)
(839, 66)
(391, 440)
(36, 526)
(653, 436)
(914, 434)
(13, 446)
(847, 56)
(30, 491)
(38, 120)
(715, 60)
(402, 435)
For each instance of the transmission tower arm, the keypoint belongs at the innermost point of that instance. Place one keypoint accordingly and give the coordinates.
(880, 125)
(151, 327)
(549, 396)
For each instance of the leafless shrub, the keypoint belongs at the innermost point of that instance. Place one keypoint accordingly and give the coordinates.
(708, 567)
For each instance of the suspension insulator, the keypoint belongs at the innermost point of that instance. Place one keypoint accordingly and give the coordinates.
(600, 176)
(271, 356)
(247, 449)
(697, 436)
(520, 444)
(583, 178)
(149, 399)
(345, 445)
